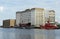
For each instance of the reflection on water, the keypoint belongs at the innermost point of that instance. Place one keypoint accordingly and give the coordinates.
(12, 33)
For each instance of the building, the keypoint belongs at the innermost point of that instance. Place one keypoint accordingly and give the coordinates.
(35, 16)
(23, 17)
(52, 16)
(9, 23)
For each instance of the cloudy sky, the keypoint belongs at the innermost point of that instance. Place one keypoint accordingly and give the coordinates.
(8, 8)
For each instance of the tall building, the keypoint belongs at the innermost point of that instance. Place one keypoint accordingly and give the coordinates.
(23, 17)
(52, 16)
(35, 16)
(9, 23)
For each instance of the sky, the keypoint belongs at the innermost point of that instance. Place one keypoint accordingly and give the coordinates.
(8, 8)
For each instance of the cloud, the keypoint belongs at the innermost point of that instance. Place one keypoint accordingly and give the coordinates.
(1, 8)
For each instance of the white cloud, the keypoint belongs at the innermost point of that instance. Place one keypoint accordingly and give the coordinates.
(1, 8)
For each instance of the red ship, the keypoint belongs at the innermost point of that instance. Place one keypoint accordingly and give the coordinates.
(48, 25)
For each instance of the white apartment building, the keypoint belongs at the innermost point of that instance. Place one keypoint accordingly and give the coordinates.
(50, 16)
(23, 17)
(35, 16)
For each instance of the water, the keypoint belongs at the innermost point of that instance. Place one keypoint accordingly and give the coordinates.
(13, 33)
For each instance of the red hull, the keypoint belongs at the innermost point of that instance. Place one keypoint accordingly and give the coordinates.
(48, 26)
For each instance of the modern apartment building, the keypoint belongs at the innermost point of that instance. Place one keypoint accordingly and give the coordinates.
(50, 16)
(9, 23)
(23, 17)
(35, 16)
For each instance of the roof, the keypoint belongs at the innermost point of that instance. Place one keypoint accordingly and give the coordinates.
(9, 19)
(29, 10)
(51, 11)
(37, 8)
(23, 11)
